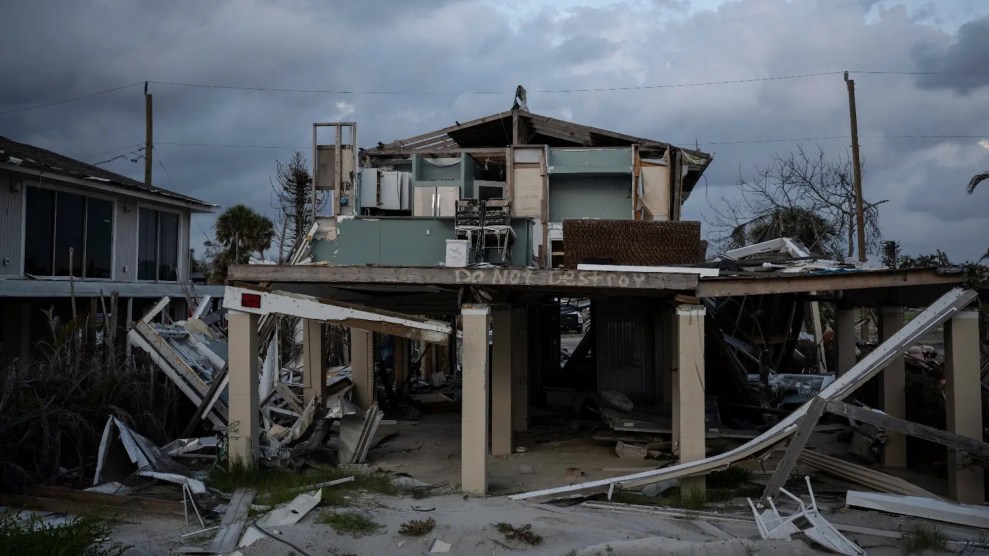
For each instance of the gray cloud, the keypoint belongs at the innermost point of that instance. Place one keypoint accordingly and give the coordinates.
(58, 50)
(968, 54)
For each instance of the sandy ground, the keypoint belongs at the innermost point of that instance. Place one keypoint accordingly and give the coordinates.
(467, 525)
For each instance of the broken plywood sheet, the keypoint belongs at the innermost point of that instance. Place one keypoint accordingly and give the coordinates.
(869, 366)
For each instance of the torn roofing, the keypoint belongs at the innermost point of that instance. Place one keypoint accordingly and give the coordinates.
(35, 158)
(534, 129)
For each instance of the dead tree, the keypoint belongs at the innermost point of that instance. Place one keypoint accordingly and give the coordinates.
(806, 195)
(292, 186)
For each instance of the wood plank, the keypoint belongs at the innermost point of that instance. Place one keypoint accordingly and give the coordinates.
(234, 521)
(726, 287)
(924, 432)
(555, 279)
(797, 444)
(79, 502)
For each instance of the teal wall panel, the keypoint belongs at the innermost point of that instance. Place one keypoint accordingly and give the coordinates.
(596, 196)
(614, 160)
(405, 242)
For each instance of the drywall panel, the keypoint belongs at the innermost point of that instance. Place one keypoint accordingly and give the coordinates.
(655, 192)
(528, 184)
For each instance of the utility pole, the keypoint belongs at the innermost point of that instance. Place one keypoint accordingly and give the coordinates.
(856, 168)
(148, 135)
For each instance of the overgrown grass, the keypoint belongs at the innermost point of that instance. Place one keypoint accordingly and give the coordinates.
(53, 409)
(417, 527)
(83, 535)
(348, 523)
(277, 485)
(923, 537)
(523, 533)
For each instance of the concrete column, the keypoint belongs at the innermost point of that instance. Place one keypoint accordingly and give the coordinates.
(362, 366)
(688, 381)
(844, 337)
(894, 388)
(520, 370)
(963, 393)
(313, 363)
(242, 434)
(401, 362)
(501, 382)
(474, 412)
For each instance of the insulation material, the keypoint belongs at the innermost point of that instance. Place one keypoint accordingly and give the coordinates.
(655, 192)
(626, 242)
(528, 191)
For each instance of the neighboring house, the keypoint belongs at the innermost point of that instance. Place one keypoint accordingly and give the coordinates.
(60, 217)
(402, 208)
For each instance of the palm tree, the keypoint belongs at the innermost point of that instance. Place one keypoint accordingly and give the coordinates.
(976, 180)
(243, 231)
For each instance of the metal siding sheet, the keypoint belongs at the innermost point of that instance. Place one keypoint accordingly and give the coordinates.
(625, 361)
(11, 225)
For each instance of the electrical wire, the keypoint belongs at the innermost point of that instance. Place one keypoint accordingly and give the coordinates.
(104, 153)
(230, 146)
(73, 99)
(493, 92)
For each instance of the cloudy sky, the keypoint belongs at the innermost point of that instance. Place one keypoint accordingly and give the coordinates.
(400, 68)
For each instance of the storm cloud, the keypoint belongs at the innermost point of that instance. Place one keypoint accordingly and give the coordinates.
(402, 68)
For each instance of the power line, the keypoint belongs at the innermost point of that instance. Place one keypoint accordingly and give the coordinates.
(104, 153)
(946, 73)
(493, 92)
(232, 146)
(167, 173)
(73, 99)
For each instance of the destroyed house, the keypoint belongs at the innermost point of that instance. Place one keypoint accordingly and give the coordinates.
(71, 229)
(447, 257)
(498, 188)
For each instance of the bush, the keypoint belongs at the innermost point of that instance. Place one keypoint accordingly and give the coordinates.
(86, 535)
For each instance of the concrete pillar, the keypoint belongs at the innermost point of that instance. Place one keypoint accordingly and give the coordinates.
(313, 363)
(844, 337)
(688, 388)
(501, 382)
(362, 366)
(894, 388)
(401, 362)
(474, 412)
(242, 434)
(520, 370)
(963, 400)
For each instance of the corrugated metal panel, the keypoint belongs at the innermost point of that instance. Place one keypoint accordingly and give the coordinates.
(625, 349)
(11, 240)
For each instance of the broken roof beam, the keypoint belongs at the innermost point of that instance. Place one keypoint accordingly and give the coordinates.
(931, 434)
(870, 365)
(262, 301)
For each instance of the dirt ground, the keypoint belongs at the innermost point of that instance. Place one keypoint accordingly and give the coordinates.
(468, 526)
(428, 450)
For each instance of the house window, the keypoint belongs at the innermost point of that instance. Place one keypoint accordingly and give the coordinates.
(158, 245)
(57, 222)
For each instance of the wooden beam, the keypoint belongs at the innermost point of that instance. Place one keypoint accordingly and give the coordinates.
(263, 301)
(727, 287)
(796, 445)
(551, 279)
(916, 430)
